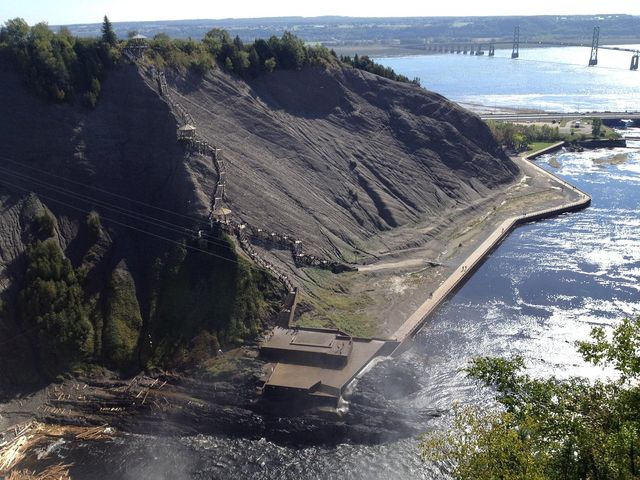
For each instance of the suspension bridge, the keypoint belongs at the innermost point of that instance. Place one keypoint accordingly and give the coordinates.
(489, 47)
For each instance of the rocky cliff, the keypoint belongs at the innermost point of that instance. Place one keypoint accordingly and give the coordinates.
(336, 157)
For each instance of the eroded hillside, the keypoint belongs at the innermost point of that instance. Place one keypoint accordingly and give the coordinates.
(337, 157)
(146, 299)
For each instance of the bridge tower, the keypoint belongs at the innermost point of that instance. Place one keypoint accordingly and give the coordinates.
(515, 52)
(634, 60)
(593, 60)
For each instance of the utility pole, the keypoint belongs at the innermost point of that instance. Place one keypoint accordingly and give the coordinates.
(515, 53)
(593, 60)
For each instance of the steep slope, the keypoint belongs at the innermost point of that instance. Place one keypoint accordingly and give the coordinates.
(338, 156)
(122, 160)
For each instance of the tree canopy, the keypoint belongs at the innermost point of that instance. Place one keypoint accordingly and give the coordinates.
(549, 428)
(108, 35)
(50, 308)
(517, 137)
(64, 68)
(247, 60)
(367, 64)
(57, 66)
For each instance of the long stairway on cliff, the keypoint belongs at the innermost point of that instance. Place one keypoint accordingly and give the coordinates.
(219, 215)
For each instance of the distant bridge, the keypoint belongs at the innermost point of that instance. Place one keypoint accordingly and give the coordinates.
(478, 48)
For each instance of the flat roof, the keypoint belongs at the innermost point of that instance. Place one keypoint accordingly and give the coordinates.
(328, 381)
(326, 342)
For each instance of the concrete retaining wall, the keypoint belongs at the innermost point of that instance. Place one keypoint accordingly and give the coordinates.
(407, 331)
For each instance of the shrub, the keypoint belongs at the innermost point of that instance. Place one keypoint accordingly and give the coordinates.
(94, 225)
(45, 225)
(122, 322)
(56, 65)
(270, 65)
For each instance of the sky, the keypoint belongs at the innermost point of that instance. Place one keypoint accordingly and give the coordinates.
(60, 12)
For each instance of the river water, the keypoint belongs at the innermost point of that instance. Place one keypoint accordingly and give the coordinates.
(544, 288)
(554, 79)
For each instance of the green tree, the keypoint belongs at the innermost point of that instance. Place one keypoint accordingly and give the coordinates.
(108, 35)
(240, 61)
(123, 321)
(484, 446)
(51, 310)
(215, 39)
(552, 429)
(255, 66)
(596, 127)
(270, 65)
(290, 52)
(45, 226)
(93, 224)
(15, 33)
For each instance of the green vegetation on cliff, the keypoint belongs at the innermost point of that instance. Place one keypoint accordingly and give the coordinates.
(248, 60)
(197, 301)
(122, 321)
(64, 68)
(549, 428)
(200, 300)
(365, 63)
(50, 308)
(57, 66)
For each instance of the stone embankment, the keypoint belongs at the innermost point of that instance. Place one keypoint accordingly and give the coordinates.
(413, 324)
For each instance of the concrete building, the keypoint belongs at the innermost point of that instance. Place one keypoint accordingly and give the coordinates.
(316, 363)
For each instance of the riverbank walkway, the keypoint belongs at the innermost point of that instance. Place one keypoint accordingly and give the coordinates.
(411, 326)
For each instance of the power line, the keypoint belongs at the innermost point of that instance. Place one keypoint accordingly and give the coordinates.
(23, 165)
(107, 205)
(86, 198)
(130, 226)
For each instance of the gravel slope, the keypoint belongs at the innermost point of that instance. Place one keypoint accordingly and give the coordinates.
(338, 156)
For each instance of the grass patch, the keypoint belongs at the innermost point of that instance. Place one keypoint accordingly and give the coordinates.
(537, 146)
(233, 363)
(331, 304)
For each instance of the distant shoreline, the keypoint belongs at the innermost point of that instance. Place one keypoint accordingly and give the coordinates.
(380, 50)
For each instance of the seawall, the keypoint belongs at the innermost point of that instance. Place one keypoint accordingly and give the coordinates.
(412, 325)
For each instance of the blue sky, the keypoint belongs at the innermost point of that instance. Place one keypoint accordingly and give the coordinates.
(91, 11)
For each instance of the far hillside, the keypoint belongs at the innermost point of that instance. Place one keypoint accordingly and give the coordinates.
(338, 31)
